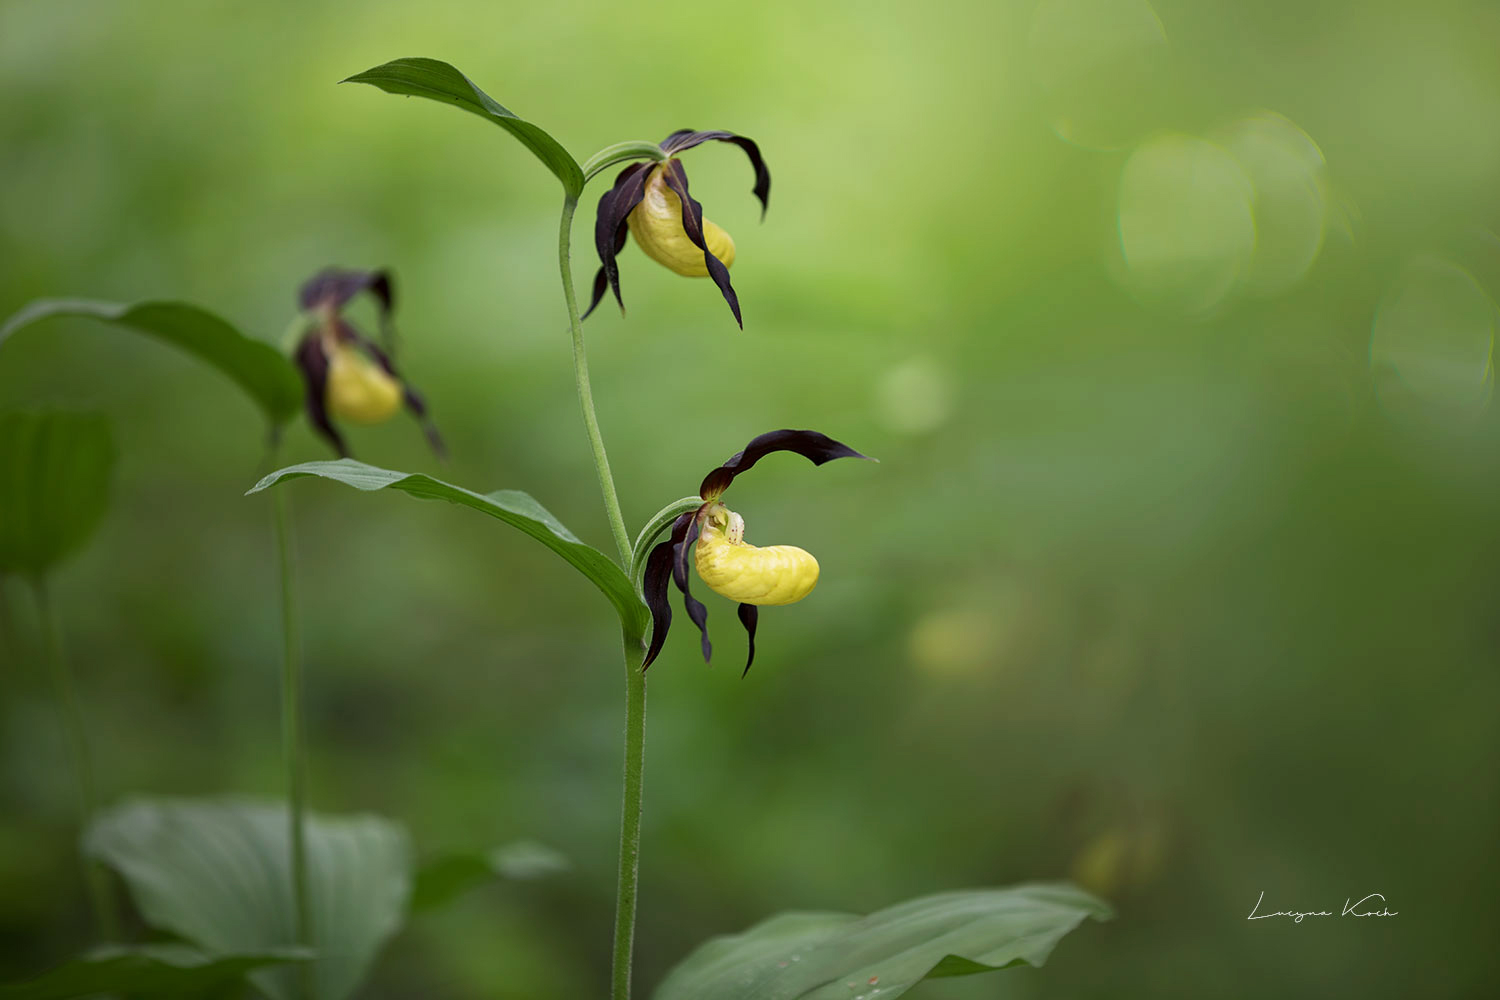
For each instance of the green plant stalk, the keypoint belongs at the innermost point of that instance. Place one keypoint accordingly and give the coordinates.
(293, 741)
(635, 679)
(101, 890)
(630, 817)
(585, 392)
(619, 153)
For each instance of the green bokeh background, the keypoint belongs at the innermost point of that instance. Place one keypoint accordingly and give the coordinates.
(1177, 605)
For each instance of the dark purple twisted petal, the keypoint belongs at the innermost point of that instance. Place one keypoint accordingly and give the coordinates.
(654, 587)
(615, 206)
(749, 616)
(695, 608)
(816, 448)
(686, 138)
(601, 276)
(601, 282)
(413, 399)
(313, 363)
(418, 408)
(692, 224)
(335, 287)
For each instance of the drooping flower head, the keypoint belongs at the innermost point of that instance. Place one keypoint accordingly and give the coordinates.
(349, 376)
(729, 565)
(651, 202)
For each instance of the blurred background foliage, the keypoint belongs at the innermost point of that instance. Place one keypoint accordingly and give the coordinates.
(1171, 328)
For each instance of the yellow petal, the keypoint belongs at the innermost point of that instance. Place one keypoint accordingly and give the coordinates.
(359, 390)
(776, 574)
(656, 224)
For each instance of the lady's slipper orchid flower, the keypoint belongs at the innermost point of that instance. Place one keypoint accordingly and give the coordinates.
(348, 375)
(651, 202)
(749, 574)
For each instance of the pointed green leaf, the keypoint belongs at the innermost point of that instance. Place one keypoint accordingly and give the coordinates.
(439, 81)
(154, 970)
(450, 876)
(836, 956)
(217, 872)
(54, 485)
(513, 507)
(260, 369)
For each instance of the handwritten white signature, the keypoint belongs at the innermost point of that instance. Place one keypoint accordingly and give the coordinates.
(1352, 908)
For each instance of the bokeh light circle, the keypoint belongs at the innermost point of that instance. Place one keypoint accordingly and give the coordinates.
(1286, 171)
(1100, 67)
(1432, 343)
(914, 396)
(1186, 226)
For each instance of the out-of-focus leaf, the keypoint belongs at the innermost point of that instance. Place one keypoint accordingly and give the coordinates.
(520, 510)
(217, 872)
(841, 956)
(259, 368)
(155, 970)
(444, 879)
(54, 485)
(438, 81)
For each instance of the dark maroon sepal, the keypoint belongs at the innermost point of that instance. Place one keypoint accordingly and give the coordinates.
(610, 228)
(654, 587)
(686, 138)
(313, 364)
(816, 448)
(601, 282)
(334, 287)
(696, 609)
(749, 616)
(692, 224)
(418, 408)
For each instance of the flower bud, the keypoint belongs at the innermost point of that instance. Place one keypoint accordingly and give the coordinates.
(359, 390)
(776, 574)
(656, 224)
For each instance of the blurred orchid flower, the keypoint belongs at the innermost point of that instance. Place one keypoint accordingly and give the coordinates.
(349, 376)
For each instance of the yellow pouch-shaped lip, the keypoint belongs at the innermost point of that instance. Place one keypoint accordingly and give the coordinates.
(359, 390)
(656, 224)
(749, 574)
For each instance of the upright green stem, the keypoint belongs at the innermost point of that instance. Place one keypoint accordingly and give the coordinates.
(635, 680)
(101, 891)
(630, 817)
(292, 737)
(585, 393)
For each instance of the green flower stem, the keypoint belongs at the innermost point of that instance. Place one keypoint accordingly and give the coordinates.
(635, 680)
(630, 817)
(619, 153)
(585, 393)
(101, 890)
(660, 522)
(293, 742)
